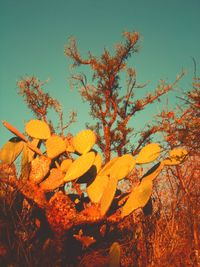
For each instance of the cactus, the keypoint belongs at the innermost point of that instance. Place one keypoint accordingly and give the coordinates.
(97, 187)
(148, 153)
(80, 166)
(176, 156)
(55, 145)
(65, 164)
(114, 255)
(73, 161)
(84, 141)
(138, 197)
(53, 181)
(38, 129)
(11, 150)
(122, 167)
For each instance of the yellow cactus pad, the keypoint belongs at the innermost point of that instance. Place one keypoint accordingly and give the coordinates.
(11, 150)
(153, 172)
(114, 255)
(98, 162)
(106, 169)
(65, 164)
(84, 141)
(39, 168)
(80, 166)
(122, 167)
(138, 197)
(148, 153)
(108, 196)
(176, 156)
(97, 187)
(53, 181)
(55, 145)
(38, 129)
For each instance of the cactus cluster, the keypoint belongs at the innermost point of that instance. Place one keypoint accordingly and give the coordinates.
(51, 161)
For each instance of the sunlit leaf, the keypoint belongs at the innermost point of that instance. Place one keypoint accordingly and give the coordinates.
(138, 197)
(80, 166)
(11, 150)
(148, 153)
(97, 187)
(114, 255)
(55, 145)
(38, 129)
(84, 141)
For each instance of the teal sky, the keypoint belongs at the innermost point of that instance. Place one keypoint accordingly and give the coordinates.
(34, 32)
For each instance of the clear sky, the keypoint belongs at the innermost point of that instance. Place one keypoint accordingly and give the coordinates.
(34, 32)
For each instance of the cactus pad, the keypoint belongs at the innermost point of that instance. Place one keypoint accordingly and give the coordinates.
(80, 166)
(38, 129)
(55, 145)
(84, 141)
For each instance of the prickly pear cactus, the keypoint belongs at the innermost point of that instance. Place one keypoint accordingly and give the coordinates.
(51, 162)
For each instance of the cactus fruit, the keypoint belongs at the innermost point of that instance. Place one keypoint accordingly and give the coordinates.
(55, 145)
(80, 166)
(138, 197)
(114, 255)
(38, 129)
(11, 150)
(176, 156)
(148, 153)
(84, 141)
(97, 187)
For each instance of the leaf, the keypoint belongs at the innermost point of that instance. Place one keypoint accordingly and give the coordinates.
(55, 146)
(85, 240)
(148, 153)
(138, 197)
(176, 156)
(97, 187)
(84, 141)
(39, 168)
(53, 181)
(80, 166)
(108, 195)
(114, 255)
(65, 164)
(153, 172)
(122, 166)
(38, 129)
(11, 150)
